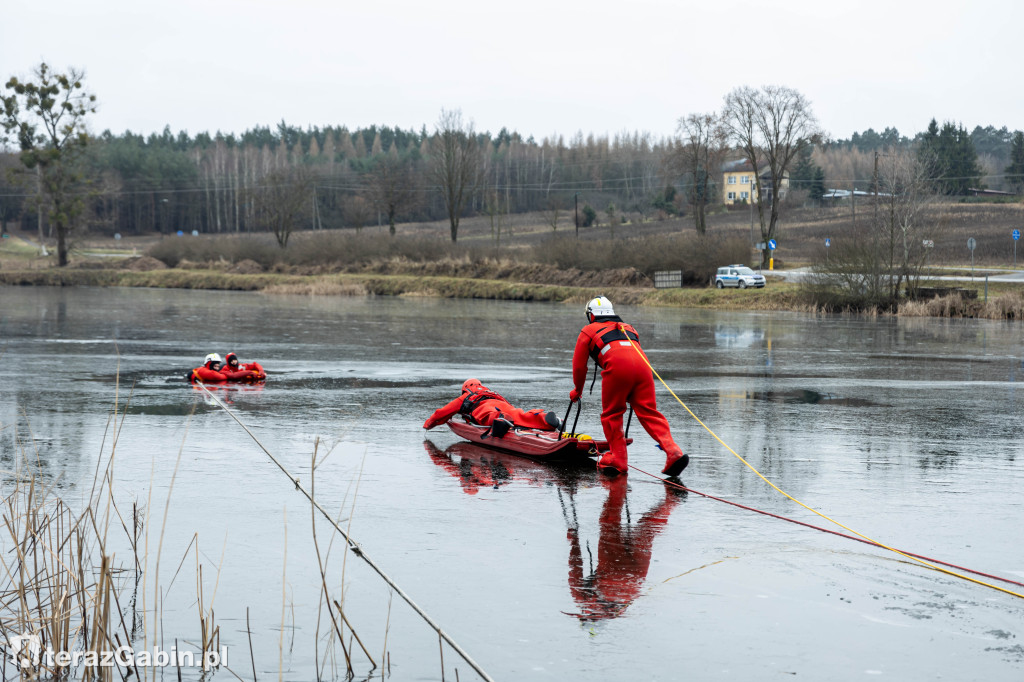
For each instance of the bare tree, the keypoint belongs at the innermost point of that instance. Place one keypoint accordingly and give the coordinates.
(770, 126)
(553, 212)
(282, 201)
(389, 185)
(357, 212)
(902, 196)
(496, 209)
(455, 164)
(698, 155)
(47, 118)
(883, 258)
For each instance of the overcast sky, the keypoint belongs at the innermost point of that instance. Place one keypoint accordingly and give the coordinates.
(541, 67)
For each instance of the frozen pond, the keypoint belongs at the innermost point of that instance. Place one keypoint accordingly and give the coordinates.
(908, 431)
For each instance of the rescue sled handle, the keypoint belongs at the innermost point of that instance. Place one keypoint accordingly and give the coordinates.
(561, 430)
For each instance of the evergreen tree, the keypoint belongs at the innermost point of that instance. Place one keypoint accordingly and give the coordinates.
(803, 169)
(949, 159)
(962, 170)
(46, 117)
(807, 175)
(1015, 171)
(928, 153)
(817, 186)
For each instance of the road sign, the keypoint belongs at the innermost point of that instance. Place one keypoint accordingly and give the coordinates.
(771, 244)
(928, 243)
(828, 241)
(1016, 235)
(760, 246)
(971, 243)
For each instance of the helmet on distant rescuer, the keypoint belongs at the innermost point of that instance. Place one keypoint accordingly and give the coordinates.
(212, 358)
(599, 307)
(470, 384)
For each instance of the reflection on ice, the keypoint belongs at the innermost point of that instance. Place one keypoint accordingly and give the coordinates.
(601, 590)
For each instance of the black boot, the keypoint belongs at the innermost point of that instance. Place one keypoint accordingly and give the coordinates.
(553, 421)
(499, 427)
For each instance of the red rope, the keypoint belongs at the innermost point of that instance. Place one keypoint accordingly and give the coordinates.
(824, 530)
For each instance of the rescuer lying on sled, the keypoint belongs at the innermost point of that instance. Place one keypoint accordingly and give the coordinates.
(483, 406)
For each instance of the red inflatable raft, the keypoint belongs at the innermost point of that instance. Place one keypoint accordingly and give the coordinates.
(531, 442)
(250, 373)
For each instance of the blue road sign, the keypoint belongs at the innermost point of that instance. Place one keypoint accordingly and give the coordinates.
(771, 244)
(828, 241)
(1016, 235)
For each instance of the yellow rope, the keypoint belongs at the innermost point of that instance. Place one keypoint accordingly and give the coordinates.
(815, 511)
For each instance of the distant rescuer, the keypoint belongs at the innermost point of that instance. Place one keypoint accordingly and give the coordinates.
(625, 377)
(483, 406)
(210, 371)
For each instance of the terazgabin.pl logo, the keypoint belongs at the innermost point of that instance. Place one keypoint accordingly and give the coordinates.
(26, 651)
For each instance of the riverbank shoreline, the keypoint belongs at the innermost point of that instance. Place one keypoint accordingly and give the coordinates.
(781, 296)
(1006, 303)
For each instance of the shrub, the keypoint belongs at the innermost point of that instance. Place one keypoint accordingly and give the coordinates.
(697, 257)
(335, 249)
(589, 215)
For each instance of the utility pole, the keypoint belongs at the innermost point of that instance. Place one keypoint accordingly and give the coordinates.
(39, 207)
(751, 201)
(853, 201)
(576, 199)
(874, 183)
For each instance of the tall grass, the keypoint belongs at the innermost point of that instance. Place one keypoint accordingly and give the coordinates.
(335, 251)
(1008, 306)
(310, 252)
(59, 583)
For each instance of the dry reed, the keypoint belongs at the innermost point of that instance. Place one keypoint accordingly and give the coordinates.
(318, 287)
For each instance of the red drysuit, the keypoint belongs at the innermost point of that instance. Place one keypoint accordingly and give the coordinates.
(251, 371)
(625, 377)
(483, 406)
(207, 375)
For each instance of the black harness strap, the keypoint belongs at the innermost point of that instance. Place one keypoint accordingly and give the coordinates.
(473, 400)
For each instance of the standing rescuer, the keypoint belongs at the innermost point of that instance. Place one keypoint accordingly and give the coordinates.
(625, 378)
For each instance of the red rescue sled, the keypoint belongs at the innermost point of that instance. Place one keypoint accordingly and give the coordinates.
(531, 442)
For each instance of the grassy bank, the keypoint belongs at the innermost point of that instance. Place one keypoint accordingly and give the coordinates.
(334, 284)
(554, 268)
(1004, 301)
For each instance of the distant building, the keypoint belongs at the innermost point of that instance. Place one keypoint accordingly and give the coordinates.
(974, 192)
(844, 194)
(739, 183)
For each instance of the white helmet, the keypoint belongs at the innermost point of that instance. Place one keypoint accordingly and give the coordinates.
(599, 307)
(212, 357)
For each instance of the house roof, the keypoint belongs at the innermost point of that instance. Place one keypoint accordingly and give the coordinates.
(737, 166)
(846, 194)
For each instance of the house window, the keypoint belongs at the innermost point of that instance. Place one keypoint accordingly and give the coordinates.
(732, 195)
(745, 180)
(744, 195)
(732, 179)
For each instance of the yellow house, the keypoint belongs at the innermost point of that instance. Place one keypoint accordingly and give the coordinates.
(739, 182)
